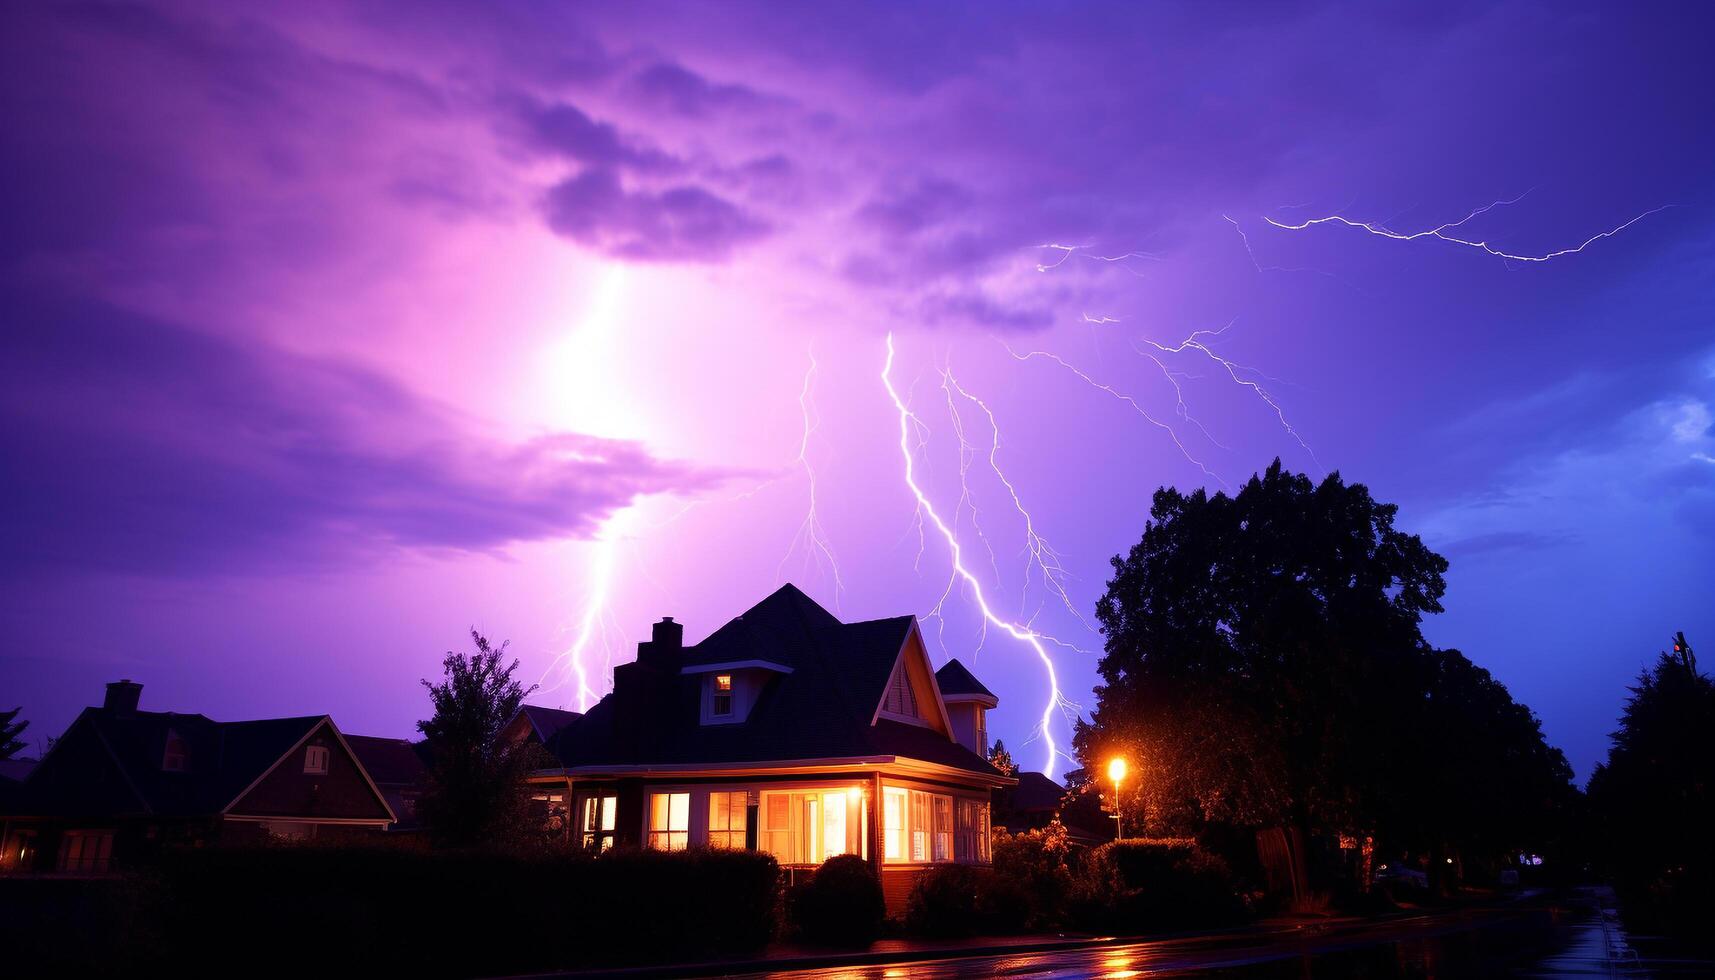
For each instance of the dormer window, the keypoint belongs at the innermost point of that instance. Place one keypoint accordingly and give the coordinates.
(177, 754)
(720, 697)
(316, 760)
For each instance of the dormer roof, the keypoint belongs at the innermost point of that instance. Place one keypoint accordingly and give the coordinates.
(957, 684)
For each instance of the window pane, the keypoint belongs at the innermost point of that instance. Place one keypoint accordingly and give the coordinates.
(893, 824)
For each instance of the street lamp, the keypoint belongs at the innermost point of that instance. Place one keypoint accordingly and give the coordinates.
(1116, 772)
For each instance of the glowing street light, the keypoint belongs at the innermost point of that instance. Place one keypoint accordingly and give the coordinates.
(1116, 773)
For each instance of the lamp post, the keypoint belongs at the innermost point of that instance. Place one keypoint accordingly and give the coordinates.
(1116, 772)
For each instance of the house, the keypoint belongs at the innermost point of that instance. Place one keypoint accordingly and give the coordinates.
(121, 782)
(399, 768)
(786, 731)
(1038, 800)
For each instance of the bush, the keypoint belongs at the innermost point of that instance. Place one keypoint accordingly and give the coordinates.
(841, 904)
(943, 902)
(392, 911)
(1032, 865)
(1144, 885)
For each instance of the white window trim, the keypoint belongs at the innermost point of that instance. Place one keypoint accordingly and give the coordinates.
(326, 760)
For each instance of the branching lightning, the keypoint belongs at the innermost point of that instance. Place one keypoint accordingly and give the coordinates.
(811, 535)
(908, 424)
(1233, 371)
(1442, 232)
(1040, 554)
(1128, 399)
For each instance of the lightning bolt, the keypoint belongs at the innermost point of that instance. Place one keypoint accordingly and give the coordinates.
(597, 628)
(1192, 343)
(1172, 433)
(909, 423)
(1064, 253)
(1442, 232)
(1041, 554)
(811, 535)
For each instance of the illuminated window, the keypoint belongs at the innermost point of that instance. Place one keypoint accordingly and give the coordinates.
(721, 701)
(549, 811)
(901, 699)
(727, 817)
(918, 826)
(88, 851)
(809, 828)
(893, 820)
(669, 821)
(177, 753)
(316, 760)
(597, 818)
(942, 841)
(972, 843)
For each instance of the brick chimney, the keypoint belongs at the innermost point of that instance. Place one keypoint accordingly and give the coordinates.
(122, 697)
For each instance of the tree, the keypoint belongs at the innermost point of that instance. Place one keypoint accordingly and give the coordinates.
(1654, 798)
(477, 791)
(1001, 759)
(10, 730)
(1264, 666)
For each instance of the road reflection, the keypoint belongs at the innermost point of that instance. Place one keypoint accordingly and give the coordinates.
(1510, 942)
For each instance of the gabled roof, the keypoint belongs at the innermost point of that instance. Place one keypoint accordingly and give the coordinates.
(822, 709)
(958, 684)
(390, 761)
(1036, 792)
(547, 722)
(110, 763)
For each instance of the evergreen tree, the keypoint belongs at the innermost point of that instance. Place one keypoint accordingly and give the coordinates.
(10, 731)
(1001, 759)
(1654, 797)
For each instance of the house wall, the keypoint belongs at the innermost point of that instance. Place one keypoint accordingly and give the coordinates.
(968, 726)
(287, 791)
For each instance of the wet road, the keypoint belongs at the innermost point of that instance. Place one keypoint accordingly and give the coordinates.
(1510, 941)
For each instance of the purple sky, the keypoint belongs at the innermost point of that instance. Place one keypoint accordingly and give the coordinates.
(331, 331)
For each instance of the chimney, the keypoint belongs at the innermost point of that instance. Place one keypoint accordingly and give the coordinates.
(668, 637)
(122, 697)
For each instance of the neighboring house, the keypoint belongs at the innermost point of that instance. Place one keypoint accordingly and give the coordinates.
(1038, 800)
(790, 732)
(121, 782)
(399, 768)
(536, 725)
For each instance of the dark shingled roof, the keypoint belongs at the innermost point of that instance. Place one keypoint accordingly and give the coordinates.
(391, 761)
(954, 679)
(1036, 791)
(548, 721)
(223, 759)
(822, 709)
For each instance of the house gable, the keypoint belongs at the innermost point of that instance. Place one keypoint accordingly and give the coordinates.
(81, 775)
(286, 790)
(911, 695)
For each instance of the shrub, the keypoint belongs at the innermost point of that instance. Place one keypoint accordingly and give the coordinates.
(1032, 866)
(841, 904)
(392, 911)
(943, 902)
(1142, 885)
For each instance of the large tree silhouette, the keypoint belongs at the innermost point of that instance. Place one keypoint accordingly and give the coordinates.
(1654, 798)
(1264, 666)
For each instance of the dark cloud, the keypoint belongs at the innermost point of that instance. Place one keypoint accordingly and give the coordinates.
(139, 446)
(673, 88)
(975, 309)
(565, 130)
(684, 223)
(924, 203)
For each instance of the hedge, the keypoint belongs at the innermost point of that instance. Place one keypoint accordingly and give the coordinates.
(1146, 885)
(298, 910)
